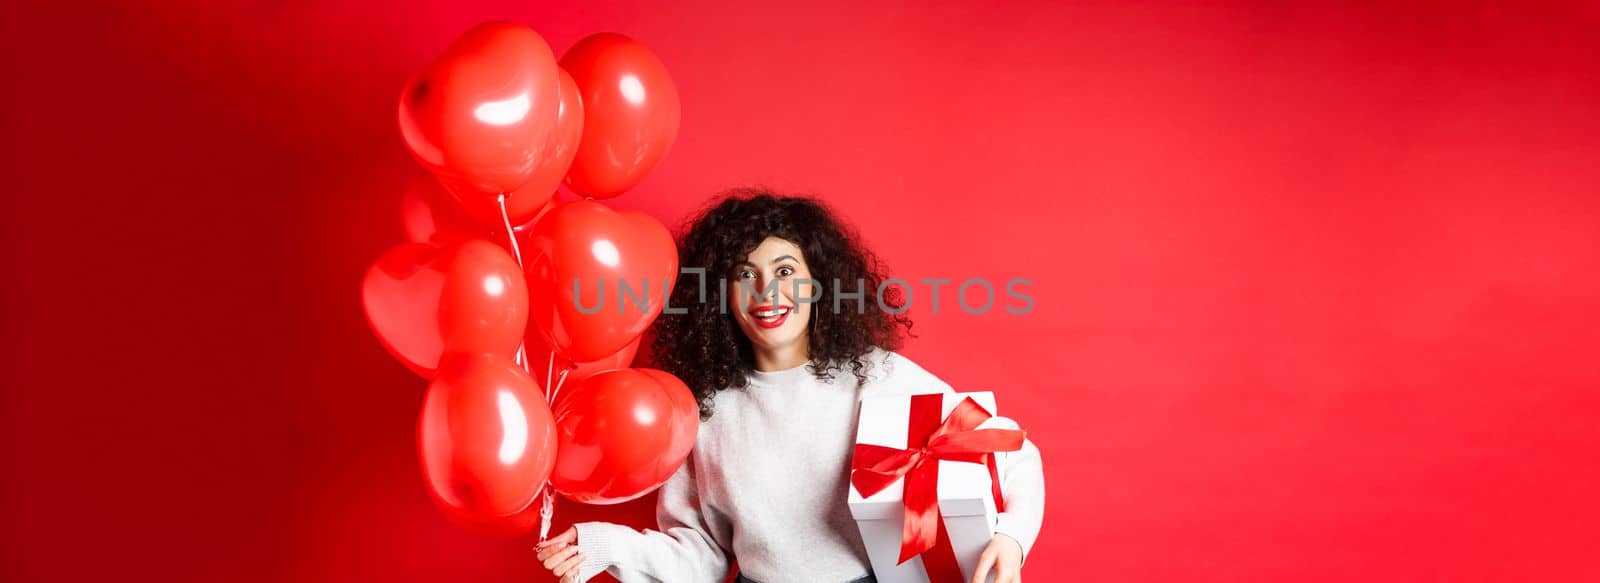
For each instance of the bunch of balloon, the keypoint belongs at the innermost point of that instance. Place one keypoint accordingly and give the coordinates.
(493, 296)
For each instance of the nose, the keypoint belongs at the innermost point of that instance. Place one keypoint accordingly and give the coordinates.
(760, 295)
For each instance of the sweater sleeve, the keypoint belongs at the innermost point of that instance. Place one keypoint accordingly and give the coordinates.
(1022, 486)
(689, 547)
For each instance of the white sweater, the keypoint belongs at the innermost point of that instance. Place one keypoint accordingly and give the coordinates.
(767, 484)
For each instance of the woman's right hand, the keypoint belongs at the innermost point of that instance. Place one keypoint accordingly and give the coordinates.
(560, 555)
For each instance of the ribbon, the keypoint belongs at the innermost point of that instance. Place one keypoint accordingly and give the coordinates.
(930, 440)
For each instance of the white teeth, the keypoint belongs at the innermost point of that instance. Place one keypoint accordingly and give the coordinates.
(772, 312)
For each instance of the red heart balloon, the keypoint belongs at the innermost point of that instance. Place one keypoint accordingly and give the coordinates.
(598, 250)
(621, 359)
(481, 117)
(631, 113)
(621, 433)
(685, 405)
(541, 358)
(513, 526)
(485, 437)
(563, 144)
(424, 298)
(429, 214)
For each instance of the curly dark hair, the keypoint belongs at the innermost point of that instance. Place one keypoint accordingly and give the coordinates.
(705, 347)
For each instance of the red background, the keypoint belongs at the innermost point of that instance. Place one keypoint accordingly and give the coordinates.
(1315, 288)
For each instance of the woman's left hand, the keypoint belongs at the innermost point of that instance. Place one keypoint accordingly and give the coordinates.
(1004, 556)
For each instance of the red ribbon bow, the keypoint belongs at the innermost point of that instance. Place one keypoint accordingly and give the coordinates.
(928, 440)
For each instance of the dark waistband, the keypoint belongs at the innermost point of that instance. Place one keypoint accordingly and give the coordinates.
(867, 578)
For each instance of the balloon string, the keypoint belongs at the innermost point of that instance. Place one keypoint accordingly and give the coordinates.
(511, 237)
(549, 371)
(547, 506)
(511, 234)
(560, 380)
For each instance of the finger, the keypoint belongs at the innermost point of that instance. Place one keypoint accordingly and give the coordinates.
(1004, 573)
(570, 535)
(545, 553)
(984, 563)
(560, 556)
(569, 567)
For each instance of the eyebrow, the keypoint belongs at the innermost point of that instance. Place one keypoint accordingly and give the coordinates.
(780, 258)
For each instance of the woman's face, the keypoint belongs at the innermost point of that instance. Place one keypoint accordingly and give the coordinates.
(774, 268)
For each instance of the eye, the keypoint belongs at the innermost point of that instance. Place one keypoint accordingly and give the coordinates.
(785, 271)
(746, 274)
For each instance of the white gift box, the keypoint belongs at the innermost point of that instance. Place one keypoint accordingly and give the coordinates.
(966, 498)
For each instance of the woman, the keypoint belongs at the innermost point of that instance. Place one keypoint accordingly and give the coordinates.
(779, 375)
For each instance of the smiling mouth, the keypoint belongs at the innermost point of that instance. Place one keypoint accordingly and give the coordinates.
(770, 316)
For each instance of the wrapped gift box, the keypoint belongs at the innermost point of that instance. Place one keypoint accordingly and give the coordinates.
(965, 490)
